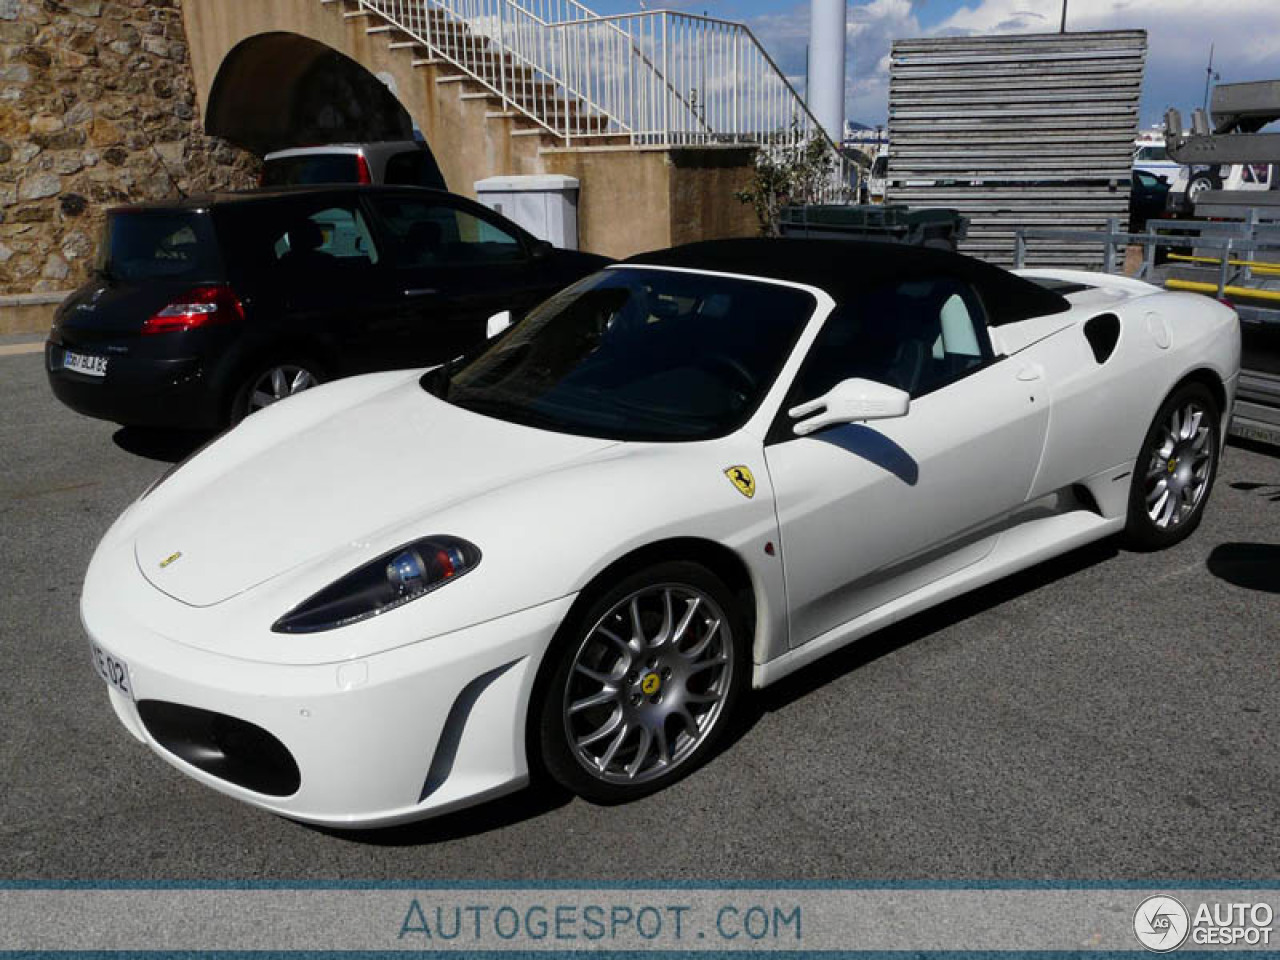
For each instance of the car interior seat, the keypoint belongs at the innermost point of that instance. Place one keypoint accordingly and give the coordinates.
(424, 243)
(304, 253)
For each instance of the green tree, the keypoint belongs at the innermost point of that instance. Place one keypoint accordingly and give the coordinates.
(792, 173)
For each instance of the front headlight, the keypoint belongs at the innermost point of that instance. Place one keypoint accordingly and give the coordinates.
(390, 581)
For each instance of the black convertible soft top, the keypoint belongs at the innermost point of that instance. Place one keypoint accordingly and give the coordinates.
(845, 269)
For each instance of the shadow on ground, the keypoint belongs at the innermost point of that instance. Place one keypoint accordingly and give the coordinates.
(167, 446)
(1254, 566)
(524, 805)
(923, 624)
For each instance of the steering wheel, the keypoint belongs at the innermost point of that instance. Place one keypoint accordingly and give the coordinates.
(733, 372)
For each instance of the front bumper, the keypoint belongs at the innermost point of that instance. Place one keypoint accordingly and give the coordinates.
(397, 736)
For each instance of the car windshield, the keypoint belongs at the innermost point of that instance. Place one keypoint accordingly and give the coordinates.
(155, 245)
(311, 168)
(636, 354)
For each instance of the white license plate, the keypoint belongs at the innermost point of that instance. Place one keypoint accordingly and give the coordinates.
(90, 366)
(112, 669)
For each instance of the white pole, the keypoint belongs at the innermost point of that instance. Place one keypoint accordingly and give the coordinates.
(825, 89)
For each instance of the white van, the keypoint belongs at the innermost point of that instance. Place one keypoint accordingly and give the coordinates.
(1191, 182)
(1151, 156)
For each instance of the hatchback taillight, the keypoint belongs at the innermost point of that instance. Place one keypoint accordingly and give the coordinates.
(362, 169)
(199, 307)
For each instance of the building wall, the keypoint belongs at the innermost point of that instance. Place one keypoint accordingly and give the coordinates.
(631, 199)
(97, 107)
(102, 102)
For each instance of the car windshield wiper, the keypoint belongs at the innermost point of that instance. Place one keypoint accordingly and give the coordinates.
(512, 413)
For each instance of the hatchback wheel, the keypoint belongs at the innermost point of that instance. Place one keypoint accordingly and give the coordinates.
(642, 683)
(273, 383)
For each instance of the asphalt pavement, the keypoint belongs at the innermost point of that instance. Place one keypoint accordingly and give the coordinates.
(1106, 716)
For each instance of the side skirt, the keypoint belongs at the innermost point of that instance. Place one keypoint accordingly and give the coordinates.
(1018, 548)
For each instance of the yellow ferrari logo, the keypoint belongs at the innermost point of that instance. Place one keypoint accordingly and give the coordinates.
(1173, 464)
(651, 684)
(169, 559)
(741, 478)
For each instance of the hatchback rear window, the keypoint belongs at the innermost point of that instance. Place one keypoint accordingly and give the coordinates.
(311, 168)
(150, 245)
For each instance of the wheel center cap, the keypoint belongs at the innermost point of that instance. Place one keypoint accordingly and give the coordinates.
(1173, 464)
(650, 684)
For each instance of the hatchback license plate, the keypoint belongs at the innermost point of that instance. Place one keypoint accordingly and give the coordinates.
(90, 366)
(112, 669)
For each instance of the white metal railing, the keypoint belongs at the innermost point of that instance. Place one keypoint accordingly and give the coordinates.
(656, 77)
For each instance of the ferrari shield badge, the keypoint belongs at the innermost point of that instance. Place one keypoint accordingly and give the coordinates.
(741, 478)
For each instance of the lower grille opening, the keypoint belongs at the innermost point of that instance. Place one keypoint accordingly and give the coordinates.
(233, 750)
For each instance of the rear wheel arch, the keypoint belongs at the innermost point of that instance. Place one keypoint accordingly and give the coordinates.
(1211, 381)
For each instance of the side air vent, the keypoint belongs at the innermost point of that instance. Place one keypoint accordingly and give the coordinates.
(1103, 333)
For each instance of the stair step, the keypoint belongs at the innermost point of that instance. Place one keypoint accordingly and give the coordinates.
(355, 14)
(405, 45)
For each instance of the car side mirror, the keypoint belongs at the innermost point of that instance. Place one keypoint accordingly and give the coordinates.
(542, 249)
(496, 324)
(849, 401)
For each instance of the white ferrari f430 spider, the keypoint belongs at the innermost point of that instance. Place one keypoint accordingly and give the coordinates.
(685, 476)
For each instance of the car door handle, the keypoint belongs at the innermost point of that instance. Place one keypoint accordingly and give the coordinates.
(1032, 371)
(421, 292)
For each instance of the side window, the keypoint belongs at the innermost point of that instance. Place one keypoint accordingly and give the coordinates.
(434, 235)
(1258, 173)
(916, 336)
(414, 168)
(334, 236)
(404, 168)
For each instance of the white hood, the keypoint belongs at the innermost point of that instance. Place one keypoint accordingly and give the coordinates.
(399, 454)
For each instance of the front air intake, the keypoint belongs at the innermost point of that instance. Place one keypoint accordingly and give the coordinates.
(233, 750)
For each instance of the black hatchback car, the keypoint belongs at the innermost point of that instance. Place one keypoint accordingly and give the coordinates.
(200, 312)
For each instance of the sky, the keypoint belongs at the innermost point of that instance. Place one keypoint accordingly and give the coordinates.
(1245, 35)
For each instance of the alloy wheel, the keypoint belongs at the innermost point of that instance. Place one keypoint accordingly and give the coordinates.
(277, 383)
(648, 684)
(1180, 467)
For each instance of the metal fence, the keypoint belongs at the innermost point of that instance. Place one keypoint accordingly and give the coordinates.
(1017, 132)
(651, 78)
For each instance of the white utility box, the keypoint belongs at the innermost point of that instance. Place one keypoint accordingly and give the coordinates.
(544, 204)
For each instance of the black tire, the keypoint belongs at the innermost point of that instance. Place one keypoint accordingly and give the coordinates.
(1200, 183)
(1174, 474)
(641, 704)
(243, 403)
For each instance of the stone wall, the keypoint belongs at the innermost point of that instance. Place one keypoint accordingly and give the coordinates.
(97, 107)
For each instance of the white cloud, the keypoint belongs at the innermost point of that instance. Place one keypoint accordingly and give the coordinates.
(1246, 35)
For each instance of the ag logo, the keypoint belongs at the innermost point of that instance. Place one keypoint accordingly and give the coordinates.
(170, 559)
(1161, 923)
(741, 478)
